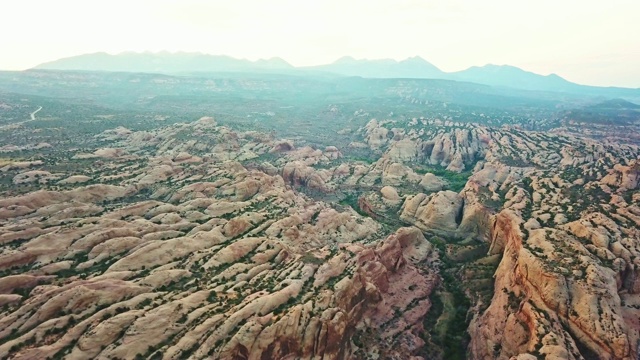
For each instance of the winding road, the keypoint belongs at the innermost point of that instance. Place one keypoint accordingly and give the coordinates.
(19, 123)
(33, 114)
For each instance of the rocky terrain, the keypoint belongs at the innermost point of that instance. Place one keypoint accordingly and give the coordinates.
(418, 238)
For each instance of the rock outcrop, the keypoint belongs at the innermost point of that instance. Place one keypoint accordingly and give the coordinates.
(440, 211)
(198, 241)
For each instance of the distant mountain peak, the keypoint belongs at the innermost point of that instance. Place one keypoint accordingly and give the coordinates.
(419, 62)
(555, 76)
(496, 67)
(416, 59)
(413, 67)
(274, 62)
(165, 62)
(346, 60)
(514, 77)
(512, 69)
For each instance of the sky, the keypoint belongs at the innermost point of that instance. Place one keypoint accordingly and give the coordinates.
(592, 42)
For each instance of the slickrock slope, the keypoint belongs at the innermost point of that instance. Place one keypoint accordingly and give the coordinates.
(564, 287)
(423, 239)
(561, 214)
(440, 211)
(195, 255)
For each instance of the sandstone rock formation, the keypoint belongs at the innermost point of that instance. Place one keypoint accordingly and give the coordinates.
(441, 211)
(198, 241)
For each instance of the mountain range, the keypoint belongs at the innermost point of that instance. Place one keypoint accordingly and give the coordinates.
(163, 62)
(182, 63)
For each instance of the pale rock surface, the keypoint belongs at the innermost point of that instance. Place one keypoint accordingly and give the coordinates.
(442, 210)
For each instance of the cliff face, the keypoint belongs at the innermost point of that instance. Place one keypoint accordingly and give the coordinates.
(517, 319)
(541, 306)
(565, 229)
(564, 290)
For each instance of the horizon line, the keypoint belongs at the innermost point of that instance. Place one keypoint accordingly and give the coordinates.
(301, 67)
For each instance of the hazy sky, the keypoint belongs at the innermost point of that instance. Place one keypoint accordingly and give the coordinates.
(587, 41)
